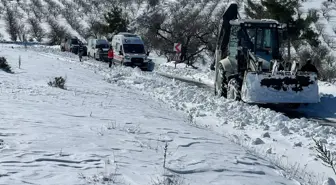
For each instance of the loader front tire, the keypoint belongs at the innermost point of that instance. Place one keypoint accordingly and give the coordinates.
(234, 89)
(220, 89)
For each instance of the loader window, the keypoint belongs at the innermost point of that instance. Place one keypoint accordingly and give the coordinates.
(233, 43)
(267, 40)
(264, 39)
(264, 42)
(263, 36)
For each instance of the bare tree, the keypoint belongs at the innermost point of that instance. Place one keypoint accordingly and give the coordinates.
(153, 3)
(53, 8)
(24, 7)
(12, 26)
(191, 23)
(320, 27)
(326, 8)
(85, 5)
(37, 9)
(36, 30)
(57, 32)
(70, 16)
(330, 41)
(96, 28)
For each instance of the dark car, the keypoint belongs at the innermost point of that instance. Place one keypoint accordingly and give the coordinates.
(70, 44)
(103, 47)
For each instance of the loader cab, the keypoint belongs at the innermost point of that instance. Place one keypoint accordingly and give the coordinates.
(260, 37)
(265, 41)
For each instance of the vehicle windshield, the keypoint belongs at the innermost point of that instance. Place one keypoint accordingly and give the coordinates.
(134, 48)
(74, 41)
(102, 44)
(265, 42)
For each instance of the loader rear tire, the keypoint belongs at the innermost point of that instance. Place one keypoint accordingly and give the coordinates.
(234, 89)
(220, 86)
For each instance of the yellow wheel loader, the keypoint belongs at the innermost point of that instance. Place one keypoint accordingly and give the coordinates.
(249, 67)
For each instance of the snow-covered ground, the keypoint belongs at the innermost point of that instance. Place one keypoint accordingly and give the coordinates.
(96, 131)
(290, 139)
(289, 144)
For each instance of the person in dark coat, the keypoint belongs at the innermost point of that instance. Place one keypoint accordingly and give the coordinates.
(183, 55)
(309, 67)
(80, 51)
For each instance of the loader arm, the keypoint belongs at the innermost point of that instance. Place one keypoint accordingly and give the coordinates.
(231, 13)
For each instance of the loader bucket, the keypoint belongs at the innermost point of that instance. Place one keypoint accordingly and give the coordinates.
(282, 87)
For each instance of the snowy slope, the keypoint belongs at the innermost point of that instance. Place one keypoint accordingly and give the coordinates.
(75, 16)
(97, 131)
(289, 144)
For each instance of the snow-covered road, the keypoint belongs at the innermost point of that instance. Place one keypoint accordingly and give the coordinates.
(98, 131)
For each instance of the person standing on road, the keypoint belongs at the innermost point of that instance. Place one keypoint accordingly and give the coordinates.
(309, 67)
(110, 56)
(80, 51)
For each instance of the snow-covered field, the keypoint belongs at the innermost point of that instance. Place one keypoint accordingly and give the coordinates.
(95, 131)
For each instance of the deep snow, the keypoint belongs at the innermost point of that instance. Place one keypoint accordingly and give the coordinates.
(290, 143)
(81, 134)
(235, 118)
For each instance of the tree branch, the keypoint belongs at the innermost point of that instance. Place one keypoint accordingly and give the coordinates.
(163, 37)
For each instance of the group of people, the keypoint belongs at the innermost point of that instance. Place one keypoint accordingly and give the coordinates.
(110, 54)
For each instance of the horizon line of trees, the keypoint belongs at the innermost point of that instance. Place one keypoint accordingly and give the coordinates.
(194, 24)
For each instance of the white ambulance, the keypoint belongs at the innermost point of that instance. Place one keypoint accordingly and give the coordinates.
(129, 50)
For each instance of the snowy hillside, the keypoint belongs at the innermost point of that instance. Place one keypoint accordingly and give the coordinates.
(96, 132)
(75, 16)
(326, 25)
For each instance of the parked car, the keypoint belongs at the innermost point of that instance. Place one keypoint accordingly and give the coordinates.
(98, 48)
(70, 45)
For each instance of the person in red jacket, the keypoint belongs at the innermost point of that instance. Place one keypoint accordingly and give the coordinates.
(110, 56)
